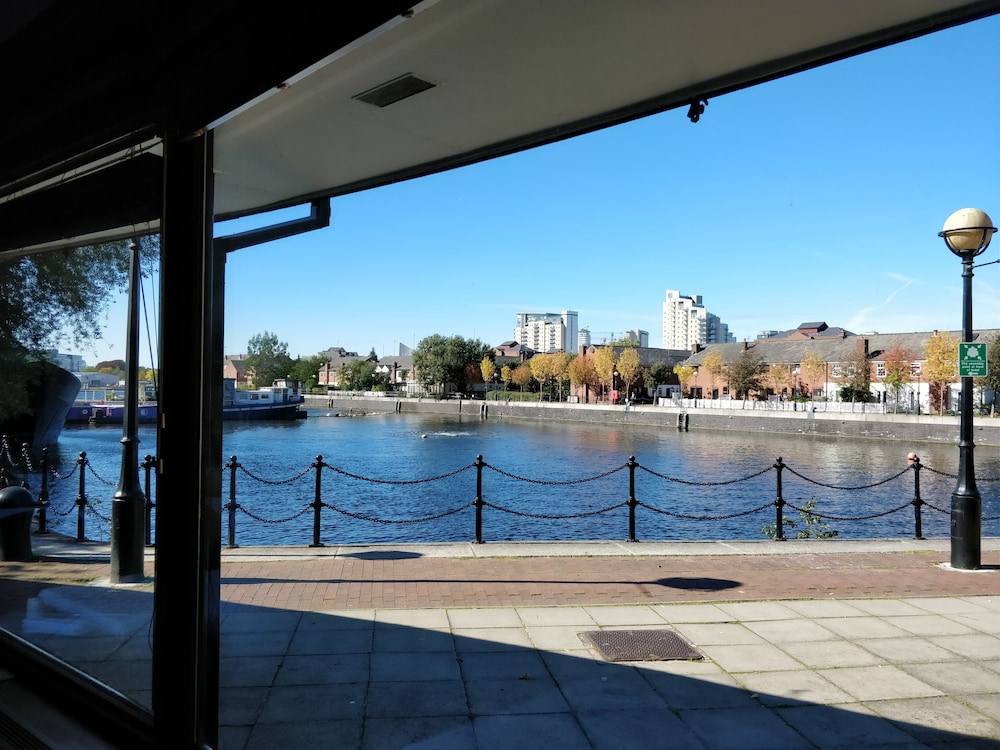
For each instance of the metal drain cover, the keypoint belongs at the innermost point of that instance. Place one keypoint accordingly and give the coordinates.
(640, 645)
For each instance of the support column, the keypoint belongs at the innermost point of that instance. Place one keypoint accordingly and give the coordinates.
(189, 464)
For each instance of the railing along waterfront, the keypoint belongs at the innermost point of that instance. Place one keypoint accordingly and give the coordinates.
(478, 506)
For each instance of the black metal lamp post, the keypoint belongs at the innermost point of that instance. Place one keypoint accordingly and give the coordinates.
(967, 232)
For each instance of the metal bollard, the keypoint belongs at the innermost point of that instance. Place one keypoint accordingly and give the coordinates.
(317, 503)
(632, 502)
(779, 504)
(479, 499)
(81, 498)
(914, 461)
(231, 506)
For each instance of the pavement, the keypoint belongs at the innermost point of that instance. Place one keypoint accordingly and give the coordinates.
(688, 645)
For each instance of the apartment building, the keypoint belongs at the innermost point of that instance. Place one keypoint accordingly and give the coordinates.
(548, 332)
(686, 322)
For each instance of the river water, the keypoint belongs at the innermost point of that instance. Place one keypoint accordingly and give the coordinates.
(690, 485)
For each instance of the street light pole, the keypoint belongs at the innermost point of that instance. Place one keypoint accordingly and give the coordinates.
(967, 233)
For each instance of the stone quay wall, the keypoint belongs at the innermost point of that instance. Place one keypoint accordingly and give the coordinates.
(909, 427)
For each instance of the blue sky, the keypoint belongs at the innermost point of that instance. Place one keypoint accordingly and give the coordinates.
(815, 197)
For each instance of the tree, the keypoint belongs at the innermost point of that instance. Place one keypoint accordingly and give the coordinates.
(683, 372)
(505, 376)
(712, 363)
(745, 374)
(780, 376)
(267, 358)
(50, 297)
(360, 375)
(441, 361)
(306, 370)
(992, 378)
(856, 374)
(582, 373)
(521, 375)
(898, 362)
(814, 368)
(541, 369)
(941, 367)
(604, 366)
(487, 368)
(560, 369)
(629, 368)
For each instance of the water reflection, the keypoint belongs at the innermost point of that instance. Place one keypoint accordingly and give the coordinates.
(698, 473)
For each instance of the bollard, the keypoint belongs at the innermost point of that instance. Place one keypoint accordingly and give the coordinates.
(147, 465)
(914, 461)
(317, 503)
(632, 502)
(479, 499)
(231, 505)
(16, 508)
(81, 498)
(43, 494)
(779, 504)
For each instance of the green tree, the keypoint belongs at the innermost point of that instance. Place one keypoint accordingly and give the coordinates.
(856, 375)
(745, 374)
(306, 370)
(56, 296)
(992, 378)
(629, 367)
(940, 367)
(267, 358)
(441, 361)
(898, 363)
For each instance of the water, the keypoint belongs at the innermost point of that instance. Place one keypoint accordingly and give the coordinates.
(534, 472)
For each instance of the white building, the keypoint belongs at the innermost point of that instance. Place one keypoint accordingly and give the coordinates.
(547, 332)
(639, 336)
(583, 339)
(686, 322)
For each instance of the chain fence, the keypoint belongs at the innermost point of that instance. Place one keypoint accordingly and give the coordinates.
(696, 505)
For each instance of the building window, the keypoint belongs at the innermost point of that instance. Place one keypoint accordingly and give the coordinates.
(880, 369)
(836, 371)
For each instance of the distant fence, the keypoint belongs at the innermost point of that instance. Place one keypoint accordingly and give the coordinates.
(478, 507)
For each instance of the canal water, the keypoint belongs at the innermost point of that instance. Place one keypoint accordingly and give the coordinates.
(411, 478)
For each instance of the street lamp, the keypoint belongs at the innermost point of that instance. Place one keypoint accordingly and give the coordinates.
(967, 232)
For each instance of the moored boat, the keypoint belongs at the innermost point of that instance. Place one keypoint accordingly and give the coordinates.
(281, 400)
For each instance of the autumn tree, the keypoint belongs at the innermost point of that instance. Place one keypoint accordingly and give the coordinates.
(604, 367)
(780, 375)
(487, 368)
(684, 373)
(940, 367)
(582, 373)
(991, 380)
(898, 364)
(745, 373)
(712, 364)
(505, 376)
(629, 367)
(521, 375)
(267, 358)
(560, 369)
(813, 367)
(541, 370)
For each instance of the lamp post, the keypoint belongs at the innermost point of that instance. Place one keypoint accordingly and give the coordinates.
(967, 232)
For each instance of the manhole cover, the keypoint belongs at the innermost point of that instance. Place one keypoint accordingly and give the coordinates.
(640, 645)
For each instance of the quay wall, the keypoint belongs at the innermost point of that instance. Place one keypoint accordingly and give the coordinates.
(909, 427)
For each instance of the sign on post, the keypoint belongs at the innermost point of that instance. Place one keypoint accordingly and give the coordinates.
(972, 360)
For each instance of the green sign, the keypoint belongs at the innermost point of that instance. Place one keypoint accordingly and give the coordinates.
(972, 360)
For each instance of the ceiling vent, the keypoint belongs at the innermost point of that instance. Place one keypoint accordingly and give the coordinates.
(393, 91)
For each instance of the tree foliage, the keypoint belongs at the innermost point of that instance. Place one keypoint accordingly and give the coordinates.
(991, 379)
(581, 371)
(856, 375)
(813, 367)
(683, 372)
(521, 375)
(441, 361)
(898, 362)
(745, 374)
(940, 367)
(267, 359)
(61, 295)
(629, 367)
(712, 364)
(306, 370)
(604, 365)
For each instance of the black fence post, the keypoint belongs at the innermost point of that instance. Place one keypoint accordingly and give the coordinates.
(43, 494)
(25, 464)
(479, 499)
(632, 502)
(147, 466)
(317, 503)
(231, 506)
(918, 529)
(779, 505)
(81, 498)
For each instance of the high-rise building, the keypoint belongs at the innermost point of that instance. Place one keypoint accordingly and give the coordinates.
(583, 338)
(686, 322)
(638, 336)
(548, 332)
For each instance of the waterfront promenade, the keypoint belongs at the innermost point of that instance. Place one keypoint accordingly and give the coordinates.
(797, 644)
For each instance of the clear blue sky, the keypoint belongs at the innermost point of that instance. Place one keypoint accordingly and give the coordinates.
(815, 197)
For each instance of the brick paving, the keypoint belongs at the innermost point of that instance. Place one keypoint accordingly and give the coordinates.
(345, 582)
